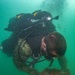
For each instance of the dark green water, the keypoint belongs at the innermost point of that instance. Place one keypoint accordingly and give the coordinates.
(65, 25)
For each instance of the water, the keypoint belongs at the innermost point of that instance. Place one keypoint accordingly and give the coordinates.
(65, 25)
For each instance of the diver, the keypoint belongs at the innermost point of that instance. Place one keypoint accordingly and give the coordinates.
(24, 24)
(34, 35)
(51, 46)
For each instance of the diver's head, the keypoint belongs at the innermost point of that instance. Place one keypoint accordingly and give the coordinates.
(54, 44)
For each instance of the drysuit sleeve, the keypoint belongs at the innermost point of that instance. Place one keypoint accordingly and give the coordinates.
(20, 57)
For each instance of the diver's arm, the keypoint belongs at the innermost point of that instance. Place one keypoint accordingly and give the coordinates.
(21, 64)
(63, 62)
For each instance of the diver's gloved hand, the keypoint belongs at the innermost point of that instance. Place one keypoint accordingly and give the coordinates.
(65, 72)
